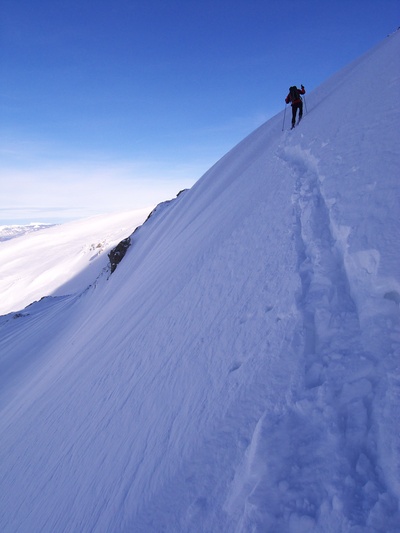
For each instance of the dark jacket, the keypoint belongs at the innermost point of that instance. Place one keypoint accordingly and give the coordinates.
(289, 98)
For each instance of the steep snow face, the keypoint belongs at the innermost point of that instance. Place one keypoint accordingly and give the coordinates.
(58, 260)
(239, 370)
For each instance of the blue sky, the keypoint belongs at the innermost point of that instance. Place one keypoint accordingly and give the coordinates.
(119, 104)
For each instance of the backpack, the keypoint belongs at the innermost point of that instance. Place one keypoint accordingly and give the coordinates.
(294, 93)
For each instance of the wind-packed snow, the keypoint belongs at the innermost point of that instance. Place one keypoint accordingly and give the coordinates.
(58, 260)
(239, 371)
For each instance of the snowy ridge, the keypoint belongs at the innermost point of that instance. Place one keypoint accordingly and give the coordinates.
(239, 371)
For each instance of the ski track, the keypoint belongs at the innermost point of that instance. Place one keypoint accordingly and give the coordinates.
(319, 456)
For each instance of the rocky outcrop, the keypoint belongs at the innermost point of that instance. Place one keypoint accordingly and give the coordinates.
(116, 255)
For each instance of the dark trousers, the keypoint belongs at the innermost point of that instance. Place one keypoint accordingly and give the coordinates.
(295, 107)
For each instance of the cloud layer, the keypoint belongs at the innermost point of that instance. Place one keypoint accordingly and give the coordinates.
(61, 192)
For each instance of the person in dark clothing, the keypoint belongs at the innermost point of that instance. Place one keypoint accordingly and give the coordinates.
(297, 103)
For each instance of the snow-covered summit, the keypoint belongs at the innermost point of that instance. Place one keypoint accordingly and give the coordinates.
(239, 370)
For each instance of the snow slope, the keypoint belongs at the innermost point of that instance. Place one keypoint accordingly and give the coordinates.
(239, 370)
(61, 259)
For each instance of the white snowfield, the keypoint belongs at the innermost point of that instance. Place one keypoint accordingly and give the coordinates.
(239, 371)
(59, 260)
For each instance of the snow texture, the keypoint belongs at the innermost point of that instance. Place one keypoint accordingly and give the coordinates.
(239, 371)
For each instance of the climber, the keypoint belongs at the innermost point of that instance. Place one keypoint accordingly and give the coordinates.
(297, 103)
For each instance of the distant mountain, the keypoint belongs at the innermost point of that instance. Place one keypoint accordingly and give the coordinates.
(10, 232)
(239, 370)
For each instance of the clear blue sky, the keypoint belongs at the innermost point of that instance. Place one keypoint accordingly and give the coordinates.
(119, 104)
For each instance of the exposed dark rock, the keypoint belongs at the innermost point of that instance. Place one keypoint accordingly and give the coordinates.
(116, 255)
(20, 315)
